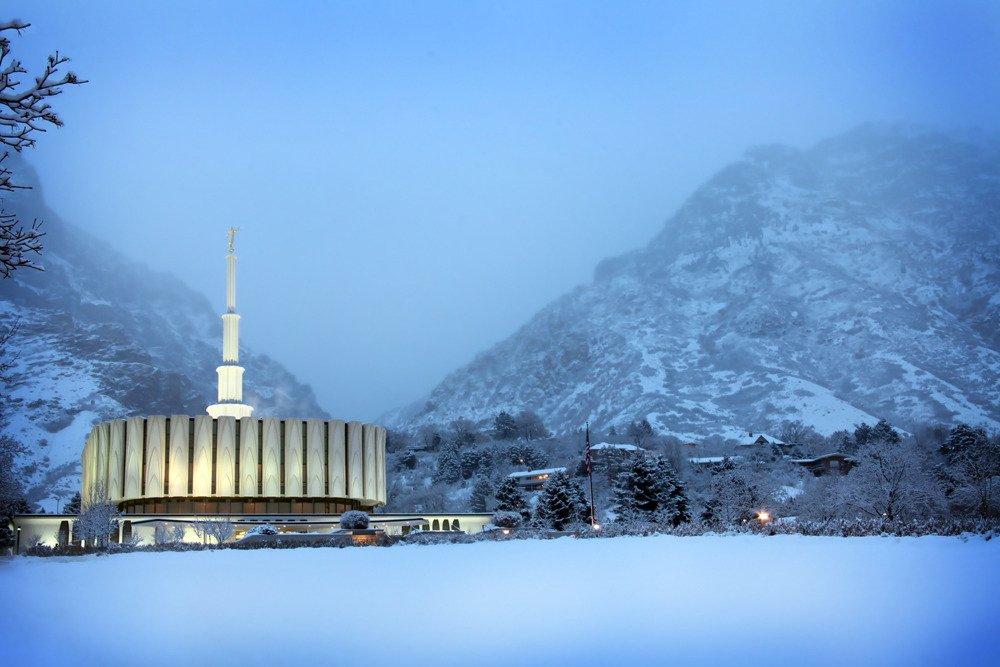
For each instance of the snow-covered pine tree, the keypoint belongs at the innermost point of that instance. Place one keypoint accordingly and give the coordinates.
(972, 473)
(73, 506)
(961, 440)
(648, 490)
(510, 498)
(862, 434)
(562, 503)
(884, 432)
(505, 426)
(676, 509)
(482, 494)
(449, 464)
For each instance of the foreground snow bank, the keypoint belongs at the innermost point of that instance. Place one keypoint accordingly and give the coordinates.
(654, 600)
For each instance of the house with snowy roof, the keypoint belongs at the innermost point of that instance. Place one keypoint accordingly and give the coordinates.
(759, 440)
(835, 464)
(532, 480)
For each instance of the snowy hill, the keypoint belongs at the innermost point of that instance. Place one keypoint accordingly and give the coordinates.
(854, 280)
(101, 337)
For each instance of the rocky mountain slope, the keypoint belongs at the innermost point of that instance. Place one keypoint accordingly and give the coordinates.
(853, 280)
(101, 336)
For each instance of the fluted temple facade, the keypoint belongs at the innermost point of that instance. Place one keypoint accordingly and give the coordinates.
(182, 464)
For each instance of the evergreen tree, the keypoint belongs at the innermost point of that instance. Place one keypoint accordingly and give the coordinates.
(677, 510)
(482, 495)
(449, 465)
(505, 426)
(525, 456)
(562, 503)
(73, 506)
(649, 490)
(862, 434)
(473, 461)
(962, 440)
(510, 498)
(884, 432)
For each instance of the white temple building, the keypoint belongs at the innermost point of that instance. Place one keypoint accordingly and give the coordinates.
(296, 473)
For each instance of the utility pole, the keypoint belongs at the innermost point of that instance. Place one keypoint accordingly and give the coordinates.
(590, 475)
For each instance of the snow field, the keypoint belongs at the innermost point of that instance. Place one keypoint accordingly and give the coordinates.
(711, 600)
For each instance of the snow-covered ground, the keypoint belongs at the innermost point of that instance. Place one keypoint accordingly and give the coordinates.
(661, 600)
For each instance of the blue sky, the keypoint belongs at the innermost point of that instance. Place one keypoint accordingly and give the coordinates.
(413, 181)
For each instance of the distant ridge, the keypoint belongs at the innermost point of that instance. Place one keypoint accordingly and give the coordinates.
(853, 280)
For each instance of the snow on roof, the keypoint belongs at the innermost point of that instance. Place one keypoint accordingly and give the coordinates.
(820, 458)
(752, 438)
(611, 445)
(712, 459)
(533, 473)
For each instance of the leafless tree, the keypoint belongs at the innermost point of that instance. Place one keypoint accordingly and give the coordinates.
(168, 533)
(218, 529)
(891, 482)
(25, 110)
(975, 473)
(98, 519)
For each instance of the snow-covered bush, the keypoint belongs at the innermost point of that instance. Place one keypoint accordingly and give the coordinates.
(168, 533)
(506, 519)
(263, 529)
(216, 529)
(354, 520)
(98, 520)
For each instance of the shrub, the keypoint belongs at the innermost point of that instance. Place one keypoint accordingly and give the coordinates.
(263, 529)
(505, 519)
(354, 520)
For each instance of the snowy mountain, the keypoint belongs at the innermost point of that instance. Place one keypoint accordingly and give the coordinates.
(100, 337)
(853, 280)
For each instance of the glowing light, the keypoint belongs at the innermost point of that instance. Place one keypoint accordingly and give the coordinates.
(763, 516)
(596, 526)
(506, 531)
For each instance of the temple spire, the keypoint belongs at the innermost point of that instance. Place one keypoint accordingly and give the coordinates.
(230, 373)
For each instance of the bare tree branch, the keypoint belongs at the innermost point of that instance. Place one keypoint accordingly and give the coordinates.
(19, 246)
(24, 111)
(7, 361)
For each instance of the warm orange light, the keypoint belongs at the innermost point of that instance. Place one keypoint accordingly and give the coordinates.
(763, 516)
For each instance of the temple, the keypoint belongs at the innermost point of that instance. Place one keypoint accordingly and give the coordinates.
(297, 473)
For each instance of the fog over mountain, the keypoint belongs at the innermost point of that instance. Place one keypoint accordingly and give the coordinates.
(101, 336)
(854, 280)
